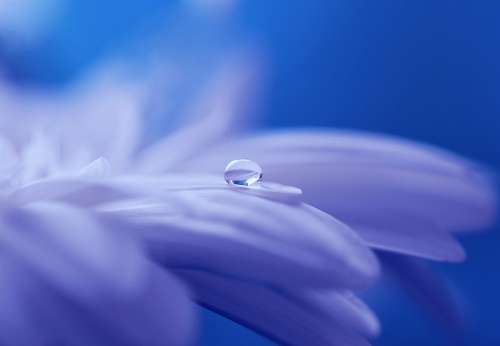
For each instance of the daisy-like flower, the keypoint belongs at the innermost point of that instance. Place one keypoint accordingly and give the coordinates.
(109, 240)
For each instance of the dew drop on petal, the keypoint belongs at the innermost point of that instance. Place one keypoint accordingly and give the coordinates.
(242, 172)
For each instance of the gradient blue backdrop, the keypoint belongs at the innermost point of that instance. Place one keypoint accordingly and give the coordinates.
(428, 70)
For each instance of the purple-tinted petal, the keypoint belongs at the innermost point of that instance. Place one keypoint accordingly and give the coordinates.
(409, 235)
(216, 228)
(40, 158)
(70, 280)
(72, 190)
(99, 168)
(287, 319)
(343, 307)
(10, 158)
(107, 110)
(372, 180)
(216, 111)
(9, 164)
(99, 116)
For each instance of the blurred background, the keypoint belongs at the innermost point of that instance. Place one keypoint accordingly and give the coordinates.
(426, 70)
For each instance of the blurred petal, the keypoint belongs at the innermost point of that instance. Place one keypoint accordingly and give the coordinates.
(286, 319)
(343, 307)
(99, 116)
(9, 165)
(377, 184)
(8, 153)
(217, 111)
(110, 121)
(73, 190)
(69, 280)
(40, 158)
(410, 235)
(99, 168)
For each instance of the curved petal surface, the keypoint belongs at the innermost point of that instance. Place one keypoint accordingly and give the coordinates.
(68, 279)
(214, 227)
(381, 183)
(330, 319)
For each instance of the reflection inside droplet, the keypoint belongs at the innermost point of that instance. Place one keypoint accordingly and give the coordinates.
(242, 172)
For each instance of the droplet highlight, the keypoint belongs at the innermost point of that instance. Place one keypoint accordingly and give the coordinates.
(242, 172)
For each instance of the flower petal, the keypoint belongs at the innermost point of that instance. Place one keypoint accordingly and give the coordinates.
(68, 278)
(216, 228)
(99, 168)
(286, 319)
(71, 190)
(217, 110)
(373, 180)
(410, 235)
(106, 109)
(10, 163)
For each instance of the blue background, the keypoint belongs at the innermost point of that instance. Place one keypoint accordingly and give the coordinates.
(427, 70)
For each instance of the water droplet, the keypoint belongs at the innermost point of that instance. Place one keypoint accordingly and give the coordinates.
(242, 172)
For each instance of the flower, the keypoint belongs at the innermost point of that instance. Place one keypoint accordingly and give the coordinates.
(111, 237)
